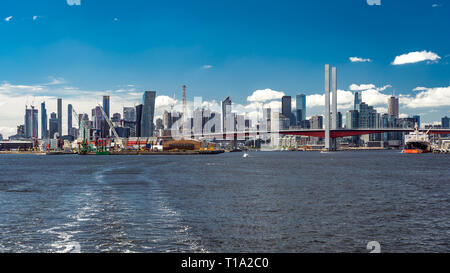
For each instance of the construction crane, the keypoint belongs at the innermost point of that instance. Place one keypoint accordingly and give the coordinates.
(117, 139)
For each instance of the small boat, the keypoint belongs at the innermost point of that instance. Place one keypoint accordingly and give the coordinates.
(417, 143)
(245, 155)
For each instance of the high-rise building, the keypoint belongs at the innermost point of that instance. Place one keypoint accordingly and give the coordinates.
(106, 102)
(44, 131)
(226, 114)
(21, 131)
(198, 121)
(357, 100)
(367, 116)
(69, 119)
(97, 118)
(352, 122)
(116, 117)
(248, 123)
(148, 113)
(159, 124)
(286, 106)
(417, 118)
(352, 119)
(300, 103)
(104, 124)
(167, 120)
(339, 120)
(305, 124)
(138, 130)
(240, 123)
(393, 107)
(316, 122)
(53, 125)
(445, 122)
(129, 114)
(284, 122)
(59, 117)
(31, 122)
(286, 109)
(266, 121)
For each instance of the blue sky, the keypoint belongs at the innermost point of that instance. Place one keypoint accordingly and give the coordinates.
(231, 48)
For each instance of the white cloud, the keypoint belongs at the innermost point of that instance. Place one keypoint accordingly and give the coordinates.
(371, 96)
(35, 17)
(56, 81)
(207, 66)
(415, 57)
(359, 60)
(73, 2)
(428, 97)
(275, 105)
(381, 110)
(435, 5)
(164, 101)
(9, 18)
(355, 87)
(374, 2)
(420, 88)
(265, 95)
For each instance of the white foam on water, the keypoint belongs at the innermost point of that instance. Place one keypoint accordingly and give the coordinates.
(183, 231)
(65, 244)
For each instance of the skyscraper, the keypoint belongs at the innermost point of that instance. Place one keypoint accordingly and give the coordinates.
(43, 121)
(167, 120)
(316, 122)
(339, 120)
(31, 122)
(393, 107)
(97, 118)
(286, 106)
(352, 122)
(116, 118)
(352, 119)
(226, 114)
(367, 116)
(300, 103)
(104, 124)
(138, 120)
(106, 101)
(53, 125)
(357, 100)
(445, 122)
(69, 118)
(266, 121)
(286, 109)
(60, 117)
(129, 114)
(148, 113)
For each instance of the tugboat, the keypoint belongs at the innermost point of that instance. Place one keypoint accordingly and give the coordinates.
(417, 142)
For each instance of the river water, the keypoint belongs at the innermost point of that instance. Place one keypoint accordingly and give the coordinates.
(268, 202)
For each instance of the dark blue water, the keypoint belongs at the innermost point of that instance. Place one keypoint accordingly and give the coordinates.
(269, 202)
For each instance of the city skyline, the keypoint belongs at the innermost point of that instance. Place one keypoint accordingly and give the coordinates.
(286, 58)
(254, 115)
